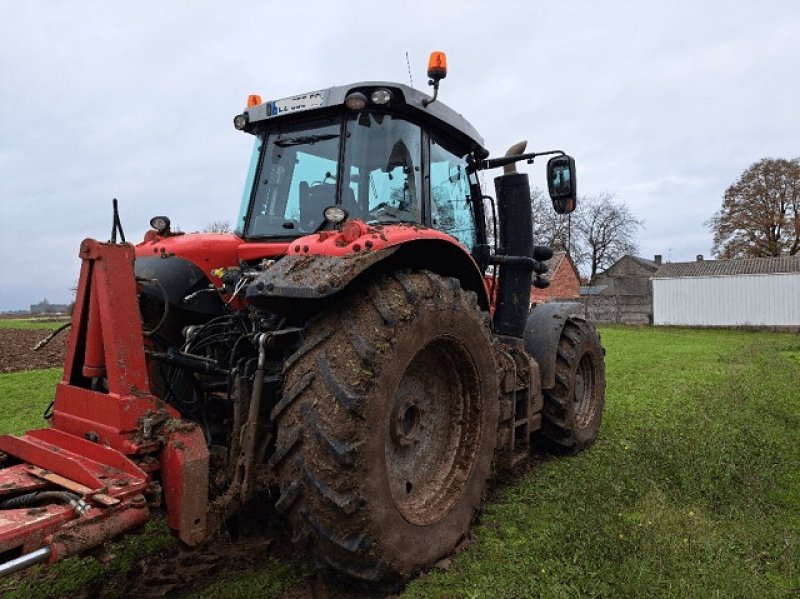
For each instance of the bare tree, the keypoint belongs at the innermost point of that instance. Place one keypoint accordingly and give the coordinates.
(219, 226)
(760, 214)
(597, 234)
(549, 228)
(605, 230)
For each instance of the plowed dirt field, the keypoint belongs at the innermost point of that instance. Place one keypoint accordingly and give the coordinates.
(16, 349)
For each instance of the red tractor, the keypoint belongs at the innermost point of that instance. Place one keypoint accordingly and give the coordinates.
(361, 348)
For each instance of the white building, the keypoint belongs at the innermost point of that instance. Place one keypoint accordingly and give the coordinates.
(747, 292)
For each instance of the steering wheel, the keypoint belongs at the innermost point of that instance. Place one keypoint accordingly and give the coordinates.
(382, 211)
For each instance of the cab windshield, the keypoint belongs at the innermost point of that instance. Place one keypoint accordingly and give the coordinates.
(299, 170)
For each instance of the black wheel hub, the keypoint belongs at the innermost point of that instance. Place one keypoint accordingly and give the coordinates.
(434, 431)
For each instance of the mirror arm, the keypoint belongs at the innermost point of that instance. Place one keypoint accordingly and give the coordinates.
(479, 165)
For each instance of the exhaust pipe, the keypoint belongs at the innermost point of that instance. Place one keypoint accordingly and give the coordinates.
(515, 150)
(516, 242)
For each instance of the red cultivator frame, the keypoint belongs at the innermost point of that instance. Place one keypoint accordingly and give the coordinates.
(112, 445)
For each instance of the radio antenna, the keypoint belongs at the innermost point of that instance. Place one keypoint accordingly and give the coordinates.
(408, 64)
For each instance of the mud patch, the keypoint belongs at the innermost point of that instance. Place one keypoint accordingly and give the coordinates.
(179, 571)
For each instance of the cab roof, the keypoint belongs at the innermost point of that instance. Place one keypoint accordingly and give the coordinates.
(405, 99)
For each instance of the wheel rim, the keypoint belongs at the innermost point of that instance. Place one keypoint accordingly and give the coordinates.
(434, 431)
(584, 390)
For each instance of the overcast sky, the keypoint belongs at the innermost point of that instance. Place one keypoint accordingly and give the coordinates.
(663, 103)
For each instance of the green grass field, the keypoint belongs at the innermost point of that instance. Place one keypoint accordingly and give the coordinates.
(23, 398)
(32, 323)
(692, 490)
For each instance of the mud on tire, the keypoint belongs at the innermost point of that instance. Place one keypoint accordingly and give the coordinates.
(386, 428)
(573, 408)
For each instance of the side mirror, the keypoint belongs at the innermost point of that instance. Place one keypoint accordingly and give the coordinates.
(561, 183)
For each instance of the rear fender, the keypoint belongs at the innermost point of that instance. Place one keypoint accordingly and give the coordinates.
(542, 332)
(308, 277)
(311, 276)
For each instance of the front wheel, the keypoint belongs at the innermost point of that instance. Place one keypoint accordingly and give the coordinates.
(573, 408)
(387, 426)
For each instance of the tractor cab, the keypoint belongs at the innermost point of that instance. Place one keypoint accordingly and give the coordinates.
(371, 151)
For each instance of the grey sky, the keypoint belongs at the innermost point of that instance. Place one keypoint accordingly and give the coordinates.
(663, 103)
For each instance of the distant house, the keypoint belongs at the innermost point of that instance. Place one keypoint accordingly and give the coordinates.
(747, 292)
(565, 282)
(622, 294)
(45, 307)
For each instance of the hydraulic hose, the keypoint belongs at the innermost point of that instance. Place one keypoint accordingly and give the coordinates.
(29, 499)
(39, 345)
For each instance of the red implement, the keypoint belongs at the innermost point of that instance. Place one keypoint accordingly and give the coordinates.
(79, 483)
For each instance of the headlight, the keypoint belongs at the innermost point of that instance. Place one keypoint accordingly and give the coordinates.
(335, 214)
(240, 121)
(381, 96)
(160, 224)
(356, 101)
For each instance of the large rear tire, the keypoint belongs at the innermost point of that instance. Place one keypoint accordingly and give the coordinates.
(387, 426)
(573, 408)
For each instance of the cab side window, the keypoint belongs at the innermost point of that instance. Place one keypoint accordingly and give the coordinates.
(451, 211)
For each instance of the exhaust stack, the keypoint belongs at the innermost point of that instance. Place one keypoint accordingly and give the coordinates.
(516, 243)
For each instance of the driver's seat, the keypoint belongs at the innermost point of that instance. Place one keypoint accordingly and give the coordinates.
(313, 200)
